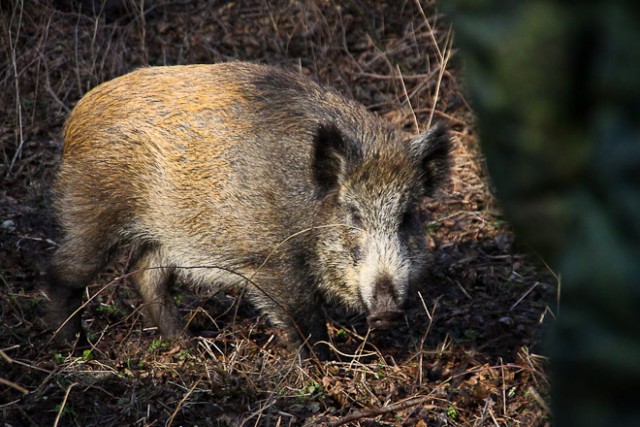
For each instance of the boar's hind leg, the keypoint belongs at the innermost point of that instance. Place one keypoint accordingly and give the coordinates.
(73, 266)
(153, 280)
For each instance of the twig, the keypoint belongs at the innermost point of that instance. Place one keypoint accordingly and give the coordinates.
(443, 66)
(504, 387)
(449, 117)
(12, 47)
(536, 396)
(143, 34)
(419, 77)
(464, 291)
(373, 412)
(5, 356)
(493, 418)
(184, 398)
(433, 38)
(406, 95)
(430, 315)
(528, 291)
(64, 402)
(14, 385)
(51, 92)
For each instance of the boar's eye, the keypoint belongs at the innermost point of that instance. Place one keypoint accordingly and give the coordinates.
(356, 218)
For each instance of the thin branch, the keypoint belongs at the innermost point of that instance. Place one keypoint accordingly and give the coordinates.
(62, 405)
(374, 412)
(443, 67)
(184, 398)
(13, 45)
(14, 385)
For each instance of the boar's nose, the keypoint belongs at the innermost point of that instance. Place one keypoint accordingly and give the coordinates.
(384, 319)
(384, 311)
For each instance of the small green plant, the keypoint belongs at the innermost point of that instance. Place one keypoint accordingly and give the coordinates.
(112, 310)
(107, 308)
(452, 412)
(310, 389)
(58, 357)
(87, 355)
(157, 344)
(432, 227)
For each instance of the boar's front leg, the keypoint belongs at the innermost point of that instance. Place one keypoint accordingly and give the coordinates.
(298, 310)
(306, 327)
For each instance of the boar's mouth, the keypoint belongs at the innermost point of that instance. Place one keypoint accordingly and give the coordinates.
(385, 319)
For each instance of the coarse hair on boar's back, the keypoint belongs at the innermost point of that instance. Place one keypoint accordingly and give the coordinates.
(241, 174)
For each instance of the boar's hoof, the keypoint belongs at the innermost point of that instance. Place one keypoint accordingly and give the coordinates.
(384, 319)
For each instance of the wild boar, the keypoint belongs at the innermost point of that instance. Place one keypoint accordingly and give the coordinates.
(239, 174)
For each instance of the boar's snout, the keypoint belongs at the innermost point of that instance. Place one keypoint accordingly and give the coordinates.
(384, 319)
(384, 312)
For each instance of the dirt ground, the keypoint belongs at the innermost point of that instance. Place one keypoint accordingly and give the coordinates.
(471, 350)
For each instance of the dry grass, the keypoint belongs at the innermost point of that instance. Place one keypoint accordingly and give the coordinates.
(466, 356)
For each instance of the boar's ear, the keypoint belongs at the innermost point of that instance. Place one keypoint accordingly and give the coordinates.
(333, 155)
(430, 152)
